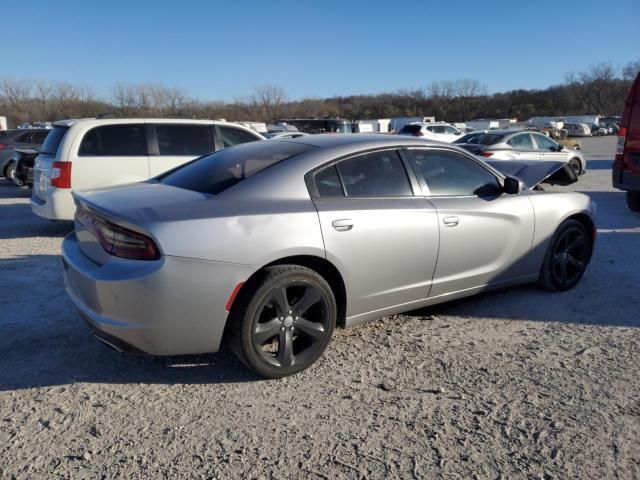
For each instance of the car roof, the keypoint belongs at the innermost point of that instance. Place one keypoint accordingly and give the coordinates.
(504, 131)
(116, 121)
(360, 141)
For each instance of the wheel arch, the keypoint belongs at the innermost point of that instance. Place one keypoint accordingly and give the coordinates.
(320, 265)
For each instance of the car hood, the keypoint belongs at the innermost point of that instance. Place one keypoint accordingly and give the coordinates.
(535, 173)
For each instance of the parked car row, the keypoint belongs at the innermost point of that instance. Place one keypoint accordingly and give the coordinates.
(18, 138)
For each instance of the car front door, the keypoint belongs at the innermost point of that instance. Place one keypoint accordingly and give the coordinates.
(382, 237)
(548, 149)
(485, 235)
(523, 147)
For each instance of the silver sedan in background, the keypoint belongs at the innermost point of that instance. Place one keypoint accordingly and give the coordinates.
(520, 145)
(270, 245)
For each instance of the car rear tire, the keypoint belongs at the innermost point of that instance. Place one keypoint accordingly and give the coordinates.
(283, 322)
(10, 171)
(576, 165)
(567, 257)
(633, 201)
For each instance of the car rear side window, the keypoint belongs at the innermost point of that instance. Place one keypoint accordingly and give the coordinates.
(53, 140)
(187, 140)
(451, 174)
(328, 182)
(114, 141)
(522, 141)
(378, 174)
(234, 136)
(221, 170)
(38, 137)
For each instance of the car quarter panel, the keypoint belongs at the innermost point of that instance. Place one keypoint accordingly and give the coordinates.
(121, 298)
(551, 209)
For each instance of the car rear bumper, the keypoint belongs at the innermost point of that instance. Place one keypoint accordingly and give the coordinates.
(625, 180)
(59, 205)
(171, 306)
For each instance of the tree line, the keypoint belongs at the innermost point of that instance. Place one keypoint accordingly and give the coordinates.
(600, 89)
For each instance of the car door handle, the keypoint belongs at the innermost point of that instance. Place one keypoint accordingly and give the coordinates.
(343, 225)
(451, 221)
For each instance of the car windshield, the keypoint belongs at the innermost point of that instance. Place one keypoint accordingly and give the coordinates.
(481, 138)
(219, 171)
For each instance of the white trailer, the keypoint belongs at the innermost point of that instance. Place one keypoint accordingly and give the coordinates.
(375, 125)
(3, 123)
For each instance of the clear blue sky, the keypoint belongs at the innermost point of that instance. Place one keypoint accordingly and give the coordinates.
(220, 50)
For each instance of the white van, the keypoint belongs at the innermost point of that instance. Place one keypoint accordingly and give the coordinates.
(93, 153)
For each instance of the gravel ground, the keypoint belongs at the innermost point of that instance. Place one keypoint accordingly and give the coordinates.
(518, 383)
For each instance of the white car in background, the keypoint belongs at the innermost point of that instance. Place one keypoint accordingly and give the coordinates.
(440, 131)
(94, 153)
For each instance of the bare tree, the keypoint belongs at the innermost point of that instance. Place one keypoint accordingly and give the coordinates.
(271, 98)
(631, 70)
(43, 90)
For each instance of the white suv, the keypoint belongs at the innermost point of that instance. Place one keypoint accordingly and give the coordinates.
(93, 153)
(440, 131)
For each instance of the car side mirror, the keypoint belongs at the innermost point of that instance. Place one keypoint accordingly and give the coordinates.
(512, 186)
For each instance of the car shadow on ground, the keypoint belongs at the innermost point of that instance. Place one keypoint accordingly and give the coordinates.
(44, 342)
(18, 221)
(599, 164)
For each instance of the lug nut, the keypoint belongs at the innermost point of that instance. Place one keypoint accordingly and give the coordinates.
(282, 328)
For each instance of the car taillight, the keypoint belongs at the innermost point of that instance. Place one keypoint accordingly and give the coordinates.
(3, 146)
(486, 154)
(622, 139)
(61, 174)
(116, 240)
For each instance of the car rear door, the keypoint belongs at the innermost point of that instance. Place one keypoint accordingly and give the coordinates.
(485, 236)
(173, 144)
(109, 155)
(382, 237)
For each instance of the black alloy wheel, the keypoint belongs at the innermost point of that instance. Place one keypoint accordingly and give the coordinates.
(567, 257)
(287, 323)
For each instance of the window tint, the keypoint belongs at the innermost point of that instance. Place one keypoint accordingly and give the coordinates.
(38, 137)
(114, 140)
(234, 136)
(449, 173)
(450, 131)
(191, 140)
(522, 141)
(328, 183)
(52, 142)
(480, 138)
(24, 138)
(412, 129)
(221, 170)
(379, 174)
(544, 142)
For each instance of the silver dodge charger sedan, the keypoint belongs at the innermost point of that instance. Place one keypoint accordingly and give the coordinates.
(268, 246)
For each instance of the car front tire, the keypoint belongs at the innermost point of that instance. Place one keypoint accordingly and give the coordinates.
(633, 201)
(283, 321)
(567, 257)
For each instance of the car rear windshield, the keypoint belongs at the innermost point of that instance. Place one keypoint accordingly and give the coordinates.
(411, 129)
(219, 171)
(52, 142)
(480, 138)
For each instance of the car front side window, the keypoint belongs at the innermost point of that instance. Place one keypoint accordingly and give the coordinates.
(448, 173)
(545, 143)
